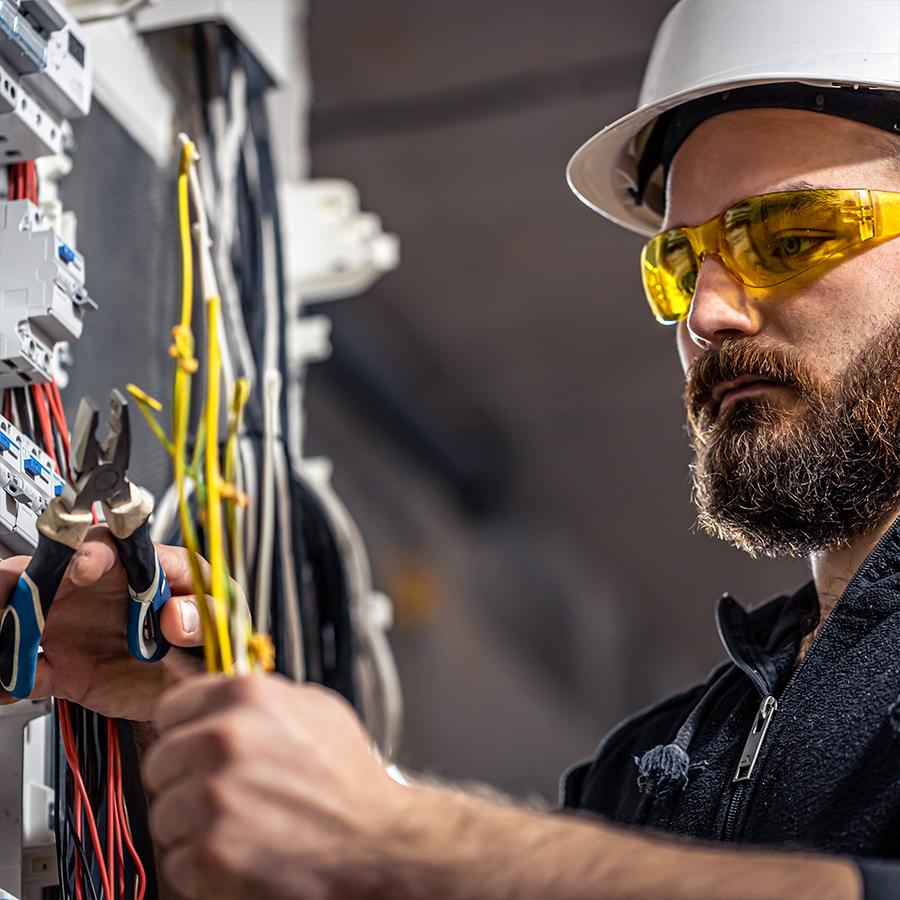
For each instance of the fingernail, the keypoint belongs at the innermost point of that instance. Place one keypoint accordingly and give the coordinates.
(190, 617)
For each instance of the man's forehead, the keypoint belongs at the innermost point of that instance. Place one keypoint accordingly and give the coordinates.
(748, 152)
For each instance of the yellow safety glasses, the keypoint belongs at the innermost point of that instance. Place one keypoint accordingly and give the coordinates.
(766, 240)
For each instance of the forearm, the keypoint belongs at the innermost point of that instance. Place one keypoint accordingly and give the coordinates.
(462, 848)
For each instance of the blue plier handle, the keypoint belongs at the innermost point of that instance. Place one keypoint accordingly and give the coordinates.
(22, 623)
(99, 475)
(147, 587)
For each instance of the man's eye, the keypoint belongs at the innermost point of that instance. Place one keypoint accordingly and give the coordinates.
(789, 246)
(688, 282)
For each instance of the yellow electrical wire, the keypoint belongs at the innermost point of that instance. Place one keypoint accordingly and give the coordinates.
(221, 624)
(215, 544)
(183, 352)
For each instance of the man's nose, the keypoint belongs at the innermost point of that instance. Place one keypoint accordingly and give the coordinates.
(722, 308)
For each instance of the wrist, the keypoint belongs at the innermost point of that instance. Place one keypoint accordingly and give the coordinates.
(442, 842)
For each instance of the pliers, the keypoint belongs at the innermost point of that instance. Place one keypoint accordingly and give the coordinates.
(98, 474)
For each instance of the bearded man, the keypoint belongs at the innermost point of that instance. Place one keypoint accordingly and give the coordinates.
(764, 167)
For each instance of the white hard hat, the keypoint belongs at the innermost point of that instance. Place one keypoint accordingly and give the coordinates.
(716, 49)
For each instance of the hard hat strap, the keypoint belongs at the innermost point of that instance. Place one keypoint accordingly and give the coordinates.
(878, 108)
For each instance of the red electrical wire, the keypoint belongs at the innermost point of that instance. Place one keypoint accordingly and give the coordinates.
(43, 414)
(124, 826)
(71, 752)
(112, 818)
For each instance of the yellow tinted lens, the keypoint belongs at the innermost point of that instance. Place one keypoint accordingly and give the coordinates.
(669, 271)
(771, 238)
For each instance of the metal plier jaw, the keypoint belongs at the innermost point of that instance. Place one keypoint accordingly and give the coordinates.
(98, 473)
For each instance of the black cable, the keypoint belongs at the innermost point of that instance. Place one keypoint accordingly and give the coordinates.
(58, 796)
(85, 868)
(23, 409)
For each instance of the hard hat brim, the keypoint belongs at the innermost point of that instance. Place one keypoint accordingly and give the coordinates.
(603, 171)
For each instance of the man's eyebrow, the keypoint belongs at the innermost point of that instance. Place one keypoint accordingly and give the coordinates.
(799, 186)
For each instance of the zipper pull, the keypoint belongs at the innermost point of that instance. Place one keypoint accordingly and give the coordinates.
(755, 739)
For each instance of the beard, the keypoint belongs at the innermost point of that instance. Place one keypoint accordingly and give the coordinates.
(794, 480)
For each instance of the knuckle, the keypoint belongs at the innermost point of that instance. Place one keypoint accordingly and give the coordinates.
(226, 738)
(158, 820)
(216, 797)
(213, 857)
(244, 690)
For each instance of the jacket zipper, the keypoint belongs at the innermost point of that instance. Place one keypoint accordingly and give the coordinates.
(747, 763)
(767, 709)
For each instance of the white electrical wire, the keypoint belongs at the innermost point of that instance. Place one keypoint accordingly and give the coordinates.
(271, 399)
(166, 510)
(228, 152)
(370, 616)
(289, 570)
(209, 284)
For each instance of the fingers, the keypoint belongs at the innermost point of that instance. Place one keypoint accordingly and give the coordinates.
(180, 621)
(179, 867)
(178, 815)
(94, 559)
(43, 684)
(188, 750)
(10, 570)
(197, 697)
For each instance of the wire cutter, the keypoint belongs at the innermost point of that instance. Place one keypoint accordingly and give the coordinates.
(98, 474)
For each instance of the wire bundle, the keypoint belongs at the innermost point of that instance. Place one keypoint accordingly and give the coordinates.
(289, 544)
(306, 561)
(204, 473)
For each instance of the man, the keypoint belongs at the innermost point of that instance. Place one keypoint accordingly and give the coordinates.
(788, 311)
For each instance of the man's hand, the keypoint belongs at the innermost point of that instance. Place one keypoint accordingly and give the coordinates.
(266, 789)
(86, 656)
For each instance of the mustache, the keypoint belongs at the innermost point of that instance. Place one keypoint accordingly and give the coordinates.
(733, 360)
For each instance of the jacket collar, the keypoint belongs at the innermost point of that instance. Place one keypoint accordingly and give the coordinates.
(763, 642)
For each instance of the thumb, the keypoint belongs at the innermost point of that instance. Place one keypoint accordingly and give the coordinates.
(180, 622)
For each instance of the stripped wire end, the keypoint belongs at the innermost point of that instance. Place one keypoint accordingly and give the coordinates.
(189, 153)
(182, 349)
(262, 652)
(144, 397)
(148, 405)
(230, 492)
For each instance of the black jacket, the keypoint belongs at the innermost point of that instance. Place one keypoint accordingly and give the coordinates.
(818, 744)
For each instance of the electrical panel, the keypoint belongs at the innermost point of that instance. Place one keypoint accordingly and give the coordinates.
(28, 483)
(45, 79)
(42, 294)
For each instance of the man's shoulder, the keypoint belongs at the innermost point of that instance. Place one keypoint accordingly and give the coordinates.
(604, 783)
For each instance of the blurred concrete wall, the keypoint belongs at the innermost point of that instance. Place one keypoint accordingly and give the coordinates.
(503, 413)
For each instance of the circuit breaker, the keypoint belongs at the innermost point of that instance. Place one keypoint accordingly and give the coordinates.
(42, 294)
(28, 483)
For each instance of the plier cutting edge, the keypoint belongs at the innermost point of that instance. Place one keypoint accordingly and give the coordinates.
(98, 473)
